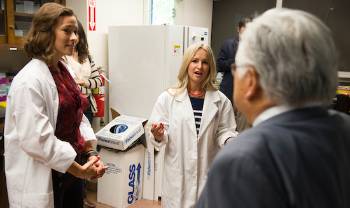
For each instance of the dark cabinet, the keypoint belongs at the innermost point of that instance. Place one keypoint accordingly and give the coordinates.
(2, 22)
(16, 17)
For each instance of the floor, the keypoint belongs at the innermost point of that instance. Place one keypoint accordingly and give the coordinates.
(92, 195)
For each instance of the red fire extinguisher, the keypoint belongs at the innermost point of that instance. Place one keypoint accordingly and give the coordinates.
(99, 95)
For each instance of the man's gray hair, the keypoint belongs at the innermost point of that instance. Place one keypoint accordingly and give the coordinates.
(293, 53)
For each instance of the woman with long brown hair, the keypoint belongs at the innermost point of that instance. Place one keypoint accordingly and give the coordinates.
(46, 133)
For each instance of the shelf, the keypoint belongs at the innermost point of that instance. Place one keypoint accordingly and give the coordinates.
(344, 78)
(22, 14)
(344, 74)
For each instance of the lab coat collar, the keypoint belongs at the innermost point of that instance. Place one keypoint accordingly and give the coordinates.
(181, 96)
(43, 67)
(211, 95)
(210, 109)
(45, 70)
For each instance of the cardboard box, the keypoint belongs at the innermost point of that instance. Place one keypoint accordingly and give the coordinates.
(121, 185)
(121, 132)
(148, 171)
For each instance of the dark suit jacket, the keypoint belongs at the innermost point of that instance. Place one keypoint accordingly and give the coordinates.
(225, 58)
(298, 159)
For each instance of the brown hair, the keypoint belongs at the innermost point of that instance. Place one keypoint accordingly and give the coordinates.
(244, 21)
(210, 82)
(82, 47)
(40, 39)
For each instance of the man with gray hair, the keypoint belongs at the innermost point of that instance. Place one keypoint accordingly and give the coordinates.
(298, 152)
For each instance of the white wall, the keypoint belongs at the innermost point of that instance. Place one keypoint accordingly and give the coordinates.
(112, 12)
(134, 12)
(108, 12)
(194, 13)
(80, 8)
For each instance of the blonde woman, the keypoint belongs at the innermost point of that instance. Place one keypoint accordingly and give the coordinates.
(193, 120)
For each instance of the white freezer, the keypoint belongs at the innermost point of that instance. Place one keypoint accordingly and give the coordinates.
(144, 61)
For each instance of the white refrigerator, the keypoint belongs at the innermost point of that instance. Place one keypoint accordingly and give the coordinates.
(144, 61)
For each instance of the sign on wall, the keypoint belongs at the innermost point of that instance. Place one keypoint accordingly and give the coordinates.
(92, 15)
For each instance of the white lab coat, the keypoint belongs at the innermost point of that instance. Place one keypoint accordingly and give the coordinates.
(31, 148)
(188, 156)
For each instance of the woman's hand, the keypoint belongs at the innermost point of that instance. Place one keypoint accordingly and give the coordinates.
(100, 167)
(80, 82)
(94, 168)
(90, 169)
(158, 131)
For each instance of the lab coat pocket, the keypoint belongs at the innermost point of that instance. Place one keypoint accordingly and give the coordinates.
(38, 200)
(171, 180)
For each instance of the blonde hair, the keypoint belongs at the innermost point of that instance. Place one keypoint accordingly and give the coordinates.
(40, 40)
(210, 82)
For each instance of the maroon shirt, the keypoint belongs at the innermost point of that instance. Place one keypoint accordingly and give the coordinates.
(70, 109)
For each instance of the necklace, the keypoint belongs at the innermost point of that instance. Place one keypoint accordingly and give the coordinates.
(196, 93)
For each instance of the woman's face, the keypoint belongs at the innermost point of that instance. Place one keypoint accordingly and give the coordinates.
(198, 69)
(66, 35)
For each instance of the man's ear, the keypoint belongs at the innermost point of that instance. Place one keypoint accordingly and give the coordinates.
(252, 85)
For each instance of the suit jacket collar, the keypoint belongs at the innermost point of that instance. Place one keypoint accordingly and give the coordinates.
(298, 114)
(271, 112)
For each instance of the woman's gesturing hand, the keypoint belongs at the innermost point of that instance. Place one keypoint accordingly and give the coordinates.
(158, 131)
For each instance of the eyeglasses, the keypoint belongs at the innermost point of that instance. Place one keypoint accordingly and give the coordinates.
(234, 67)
